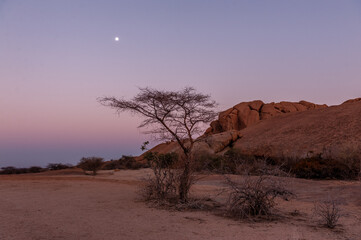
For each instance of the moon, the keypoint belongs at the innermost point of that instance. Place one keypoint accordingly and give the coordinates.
(116, 39)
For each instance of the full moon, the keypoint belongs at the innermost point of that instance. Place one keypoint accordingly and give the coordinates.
(116, 39)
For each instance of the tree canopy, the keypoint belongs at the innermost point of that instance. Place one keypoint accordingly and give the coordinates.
(169, 115)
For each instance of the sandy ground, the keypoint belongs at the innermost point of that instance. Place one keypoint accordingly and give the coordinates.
(68, 205)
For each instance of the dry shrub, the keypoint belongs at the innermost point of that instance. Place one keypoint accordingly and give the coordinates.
(328, 212)
(343, 162)
(349, 153)
(207, 162)
(91, 164)
(254, 196)
(162, 187)
(260, 166)
(235, 162)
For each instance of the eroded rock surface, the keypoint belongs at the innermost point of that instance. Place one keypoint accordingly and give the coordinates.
(246, 114)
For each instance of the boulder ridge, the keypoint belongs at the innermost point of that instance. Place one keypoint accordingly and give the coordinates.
(246, 114)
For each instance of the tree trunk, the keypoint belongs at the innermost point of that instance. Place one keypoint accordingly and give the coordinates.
(185, 182)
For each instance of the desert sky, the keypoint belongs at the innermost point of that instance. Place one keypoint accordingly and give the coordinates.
(57, 57)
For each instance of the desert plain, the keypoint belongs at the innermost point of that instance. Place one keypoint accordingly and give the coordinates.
(67, 204)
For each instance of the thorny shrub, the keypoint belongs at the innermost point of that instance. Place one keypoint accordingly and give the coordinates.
(254, 196)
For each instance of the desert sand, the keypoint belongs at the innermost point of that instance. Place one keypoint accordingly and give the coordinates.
(69, 205)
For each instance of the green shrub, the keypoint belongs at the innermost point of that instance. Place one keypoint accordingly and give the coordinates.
(125, 162)
(8, 170)
(235, 162)
(58, 166)
(35, 169)
(159, 160)
(319, 168)
(13, 170)
(129, 162)
(316, 167)
(112, 164)
(91, 164)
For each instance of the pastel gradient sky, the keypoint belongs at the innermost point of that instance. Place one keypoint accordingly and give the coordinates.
(57, 57)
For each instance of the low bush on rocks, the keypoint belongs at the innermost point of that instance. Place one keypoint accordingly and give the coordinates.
(125, 162)
(320, 168)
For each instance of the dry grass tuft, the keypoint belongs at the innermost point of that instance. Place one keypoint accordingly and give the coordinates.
(328, 211)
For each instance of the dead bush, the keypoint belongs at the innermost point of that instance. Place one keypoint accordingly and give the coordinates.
(91, 164)
(163, 186)
(328, 212)
(254, 196)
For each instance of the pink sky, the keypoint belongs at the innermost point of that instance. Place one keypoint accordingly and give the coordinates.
(58, 57)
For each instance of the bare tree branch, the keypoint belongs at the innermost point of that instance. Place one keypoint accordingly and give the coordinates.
(171, 115)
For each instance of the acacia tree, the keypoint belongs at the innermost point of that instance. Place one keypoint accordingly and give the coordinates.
(91, 164)
(171, 115)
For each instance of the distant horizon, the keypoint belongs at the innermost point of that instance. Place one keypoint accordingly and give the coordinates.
(58, 57)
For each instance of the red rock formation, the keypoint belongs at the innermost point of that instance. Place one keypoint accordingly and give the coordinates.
(246, 114)
(352, 100)
(333, 130)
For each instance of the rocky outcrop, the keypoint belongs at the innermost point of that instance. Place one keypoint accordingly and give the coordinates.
(211, 144)
(352, 100)
(217, 143)
(246, 114)
(334, 131)
(281, 130)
